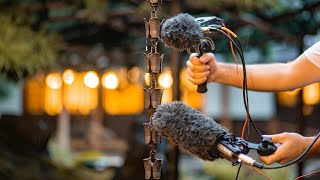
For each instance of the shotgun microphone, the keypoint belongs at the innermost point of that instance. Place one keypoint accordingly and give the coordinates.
(202, 136)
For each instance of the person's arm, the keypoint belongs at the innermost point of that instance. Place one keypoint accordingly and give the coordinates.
(260, 77)
(291, 145)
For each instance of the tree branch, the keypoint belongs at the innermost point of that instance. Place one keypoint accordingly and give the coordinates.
(288, 15)
(266, 27)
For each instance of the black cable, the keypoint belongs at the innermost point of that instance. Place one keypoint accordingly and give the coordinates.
(246, 104)
(238, 172)
(247, 100)
(302, 155)
(245, 86)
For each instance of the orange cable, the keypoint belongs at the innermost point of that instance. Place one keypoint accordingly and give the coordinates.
(314, 172)
(234, 57)
(266, 176)
(237, 72)
(244, 126)
(246, 121)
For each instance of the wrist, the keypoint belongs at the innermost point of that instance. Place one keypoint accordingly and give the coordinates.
(228, 74)
(220, 72)
(315, 150)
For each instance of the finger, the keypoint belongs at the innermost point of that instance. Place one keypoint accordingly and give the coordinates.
(270, 159)
(197, 68)
(198, 75)
(195, 60)
(197, 81)
(278, 138)
(205, 58)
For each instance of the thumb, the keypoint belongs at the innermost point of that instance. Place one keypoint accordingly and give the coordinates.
(277, 138)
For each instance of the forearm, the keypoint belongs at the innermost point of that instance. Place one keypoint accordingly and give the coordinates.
(261, 77)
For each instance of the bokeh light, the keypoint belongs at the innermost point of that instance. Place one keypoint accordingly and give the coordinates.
(68, 76)
(165, 79)
(54, 81)
(91, 79)
(110, 80)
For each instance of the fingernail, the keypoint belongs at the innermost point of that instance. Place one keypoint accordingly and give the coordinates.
(207, 67)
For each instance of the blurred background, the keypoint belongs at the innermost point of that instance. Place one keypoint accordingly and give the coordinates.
(72, 74)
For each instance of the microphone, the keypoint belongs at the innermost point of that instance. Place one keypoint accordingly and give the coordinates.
(203, 137)
(185, 33)
(181, 32)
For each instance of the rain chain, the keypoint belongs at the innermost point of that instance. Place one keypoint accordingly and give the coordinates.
(152, 94)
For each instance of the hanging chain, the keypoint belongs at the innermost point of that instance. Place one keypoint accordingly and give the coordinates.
(152, 94)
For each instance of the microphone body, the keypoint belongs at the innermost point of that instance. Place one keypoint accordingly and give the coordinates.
(201, 135)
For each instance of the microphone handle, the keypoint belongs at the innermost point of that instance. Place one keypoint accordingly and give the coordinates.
(202, 88)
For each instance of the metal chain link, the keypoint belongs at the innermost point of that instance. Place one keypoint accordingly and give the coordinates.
(152, 94)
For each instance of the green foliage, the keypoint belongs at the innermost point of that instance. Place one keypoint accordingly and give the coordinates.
(24, 51)
(95, 10)
(236, 4)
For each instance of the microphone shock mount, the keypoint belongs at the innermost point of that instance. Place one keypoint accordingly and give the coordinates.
(238, 145)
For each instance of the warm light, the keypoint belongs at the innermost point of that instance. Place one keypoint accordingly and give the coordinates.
(288, 98)
(134, 74)
(54, 81)
(311, 94)
(91, 79)
(53, 94)
(185, 83)
(165, 79)
(68, 76)
(34, 94)
(110, 80)
(189, 94)
(78, 98)
(128, 100)
(292, 93)
(147, 79)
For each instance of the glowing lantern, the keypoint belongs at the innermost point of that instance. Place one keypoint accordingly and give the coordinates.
(288, 98)
(91, 79)
(77, 92)
(110, 80)
(122, 95)
(53, 94)
(68, 76)
(34, 94)
(81, 97)
(189, 94)
(165, 81)
(311, 94)
(147, 79)
(54, 81)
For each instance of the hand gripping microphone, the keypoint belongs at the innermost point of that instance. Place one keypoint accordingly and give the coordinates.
(186, 33)
(202, 136)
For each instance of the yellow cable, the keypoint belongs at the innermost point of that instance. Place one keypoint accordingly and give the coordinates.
(229, 31)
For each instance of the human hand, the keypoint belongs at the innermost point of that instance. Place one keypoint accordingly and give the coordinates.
(201, 69)
(291, 145)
